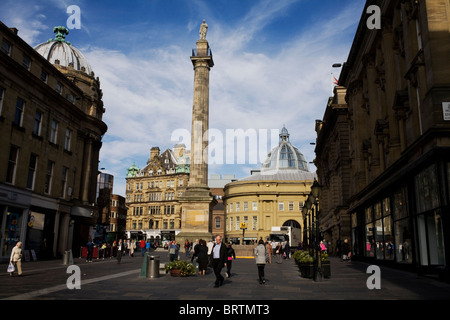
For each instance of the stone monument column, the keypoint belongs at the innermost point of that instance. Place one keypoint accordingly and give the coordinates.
(197, 201)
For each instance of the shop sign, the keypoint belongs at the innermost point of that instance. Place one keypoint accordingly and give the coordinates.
(446, 110)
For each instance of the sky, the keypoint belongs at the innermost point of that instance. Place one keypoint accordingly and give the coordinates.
(272, 68)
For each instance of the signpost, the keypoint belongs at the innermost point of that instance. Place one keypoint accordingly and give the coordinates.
(243, 226)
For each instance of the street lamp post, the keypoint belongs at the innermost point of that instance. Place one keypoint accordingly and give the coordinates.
(313, 197)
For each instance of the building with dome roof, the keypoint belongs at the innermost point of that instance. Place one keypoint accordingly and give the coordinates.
(269, 197)
(51, 132)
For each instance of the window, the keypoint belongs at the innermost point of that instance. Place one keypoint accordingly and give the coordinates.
(26, 62)
(44, 76)
(70, 97)
(12, 164)
(245, 206)
(65, 171)
(37, 123)
(1, 99)
(280, 206)
(426, 189)
(218, 222)
(180, 183)
(238, 206)
(58, 88)
(291, 206)
(31, 171)
(68, 139)
(301, 204)
(54, 132)
(18, 117)
(238, 224)
(6, 47)
(255, 223)
(255, 206)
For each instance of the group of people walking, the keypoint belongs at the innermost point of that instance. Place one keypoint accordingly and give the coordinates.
(266, 251)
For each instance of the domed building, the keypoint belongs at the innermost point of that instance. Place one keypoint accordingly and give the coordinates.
(273, 196)
(71, 62)
(51, 133)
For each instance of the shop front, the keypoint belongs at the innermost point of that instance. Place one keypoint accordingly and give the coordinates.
(406, 223)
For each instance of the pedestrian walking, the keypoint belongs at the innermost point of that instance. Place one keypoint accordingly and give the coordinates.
(187, 245)
(132, 247)
(287, 250)
(173, 251)
(260, 259)
(278, 252)
(269, 252)
(90, 250)
(210, 246)
(323, 247)
(346, 251)
(231, 254)
(201, 252)
(16, 259)
(219, 255)
(120, 251)
(142, 246)
(102, 251)
(147, 246)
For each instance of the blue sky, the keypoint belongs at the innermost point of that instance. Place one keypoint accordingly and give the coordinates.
(272, 66)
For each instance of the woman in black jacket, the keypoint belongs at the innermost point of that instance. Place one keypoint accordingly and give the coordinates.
(231, 255)
(201, 251)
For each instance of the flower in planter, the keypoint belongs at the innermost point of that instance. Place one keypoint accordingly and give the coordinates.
(301, 256)
(186, 268)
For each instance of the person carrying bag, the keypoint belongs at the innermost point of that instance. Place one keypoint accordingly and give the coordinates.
(15, 260)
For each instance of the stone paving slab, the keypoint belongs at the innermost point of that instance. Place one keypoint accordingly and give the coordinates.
(106, 280)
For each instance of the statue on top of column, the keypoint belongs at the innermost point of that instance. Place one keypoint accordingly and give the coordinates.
(203, 30)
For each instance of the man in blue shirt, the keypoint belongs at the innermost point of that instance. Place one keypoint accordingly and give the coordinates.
(219, 258)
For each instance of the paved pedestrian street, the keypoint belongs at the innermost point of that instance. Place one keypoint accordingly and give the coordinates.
(109, 281)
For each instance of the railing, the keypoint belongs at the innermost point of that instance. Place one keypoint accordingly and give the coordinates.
(208, 54)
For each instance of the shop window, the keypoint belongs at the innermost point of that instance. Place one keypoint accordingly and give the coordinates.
(12, 231)
(431, 238)
(403, 240)
(1, 99)
(427, 190)
(402, 237)
(370, 245)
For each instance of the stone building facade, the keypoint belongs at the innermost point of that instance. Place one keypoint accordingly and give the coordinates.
(397, 95)
(333, 169)
(272, 196)
(152, 195)
(51, 132)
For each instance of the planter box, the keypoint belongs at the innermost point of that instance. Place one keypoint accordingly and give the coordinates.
(306, 269)
(175, 273)
(326, 269)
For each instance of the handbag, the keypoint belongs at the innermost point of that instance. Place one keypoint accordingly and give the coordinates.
(10, 267)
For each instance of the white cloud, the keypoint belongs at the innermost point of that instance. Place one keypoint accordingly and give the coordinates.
(148, 91)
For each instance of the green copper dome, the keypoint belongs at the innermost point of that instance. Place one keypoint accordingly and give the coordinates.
(132, 171)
